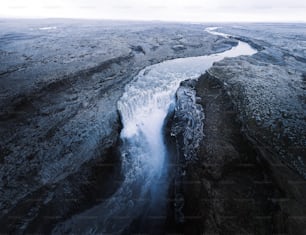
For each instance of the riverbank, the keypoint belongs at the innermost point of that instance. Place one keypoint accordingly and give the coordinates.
(250, 176)
(228, 188)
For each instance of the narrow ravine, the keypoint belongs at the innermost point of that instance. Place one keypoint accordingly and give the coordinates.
(143, 109)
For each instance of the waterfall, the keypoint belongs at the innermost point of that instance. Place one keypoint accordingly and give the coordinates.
(143, 108)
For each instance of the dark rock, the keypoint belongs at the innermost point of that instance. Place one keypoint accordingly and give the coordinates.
(270, 103)
(187, 131)
(226, 189)
(267, 91)
(188, 121)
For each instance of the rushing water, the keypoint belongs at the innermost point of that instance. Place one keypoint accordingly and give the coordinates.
(143, 108)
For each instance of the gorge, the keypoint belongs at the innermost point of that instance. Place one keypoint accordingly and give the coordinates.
(155, 137)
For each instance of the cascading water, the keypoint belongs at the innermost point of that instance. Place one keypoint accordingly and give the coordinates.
(143, 108)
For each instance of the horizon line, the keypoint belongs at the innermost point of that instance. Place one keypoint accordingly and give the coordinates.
(141, 20)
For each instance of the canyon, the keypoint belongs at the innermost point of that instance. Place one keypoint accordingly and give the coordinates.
(235, 154)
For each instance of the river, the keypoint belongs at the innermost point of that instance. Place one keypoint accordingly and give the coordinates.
(143, 109)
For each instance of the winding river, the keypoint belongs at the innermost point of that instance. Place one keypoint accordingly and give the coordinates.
(143, 108)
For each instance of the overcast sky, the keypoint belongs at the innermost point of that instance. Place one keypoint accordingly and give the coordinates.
(168, 10)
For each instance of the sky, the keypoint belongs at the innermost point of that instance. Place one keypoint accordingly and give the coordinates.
(164, 10)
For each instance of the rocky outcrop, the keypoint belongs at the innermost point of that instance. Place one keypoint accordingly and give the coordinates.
(250, 172)
(269, 100)
(227, 188)
(187, 132)
(269, 89)
(270, 103)
(188, 121)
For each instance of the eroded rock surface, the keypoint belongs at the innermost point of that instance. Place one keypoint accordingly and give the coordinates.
(270, 100)
(250, 173)
(268, 92)
(187, 132)
(188, 120)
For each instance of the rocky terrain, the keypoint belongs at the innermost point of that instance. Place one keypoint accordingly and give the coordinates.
(249, 177)
(241, 163)
(273, 84)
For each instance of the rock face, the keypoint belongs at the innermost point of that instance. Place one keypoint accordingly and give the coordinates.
(269, 89)
(59, 125)
(188, 119)
(236, 187)
(249, 176)
(187, 130)
(228, 188)
(270, 100)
